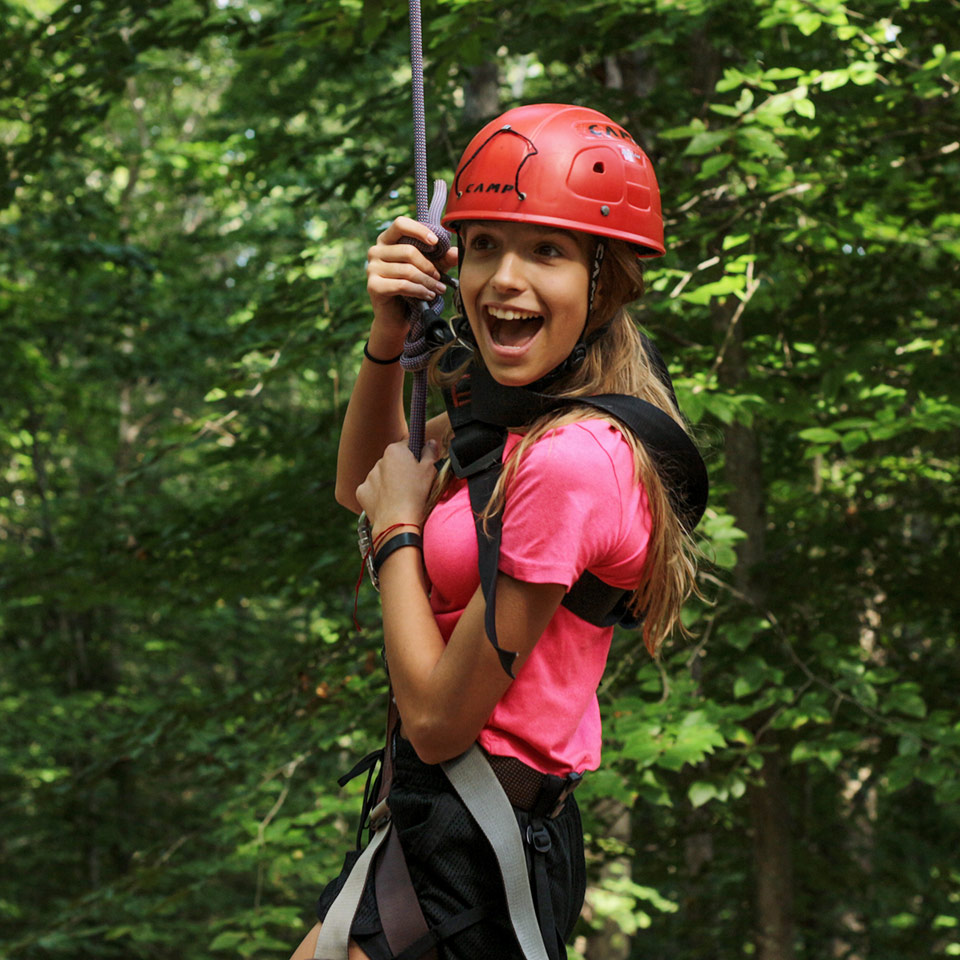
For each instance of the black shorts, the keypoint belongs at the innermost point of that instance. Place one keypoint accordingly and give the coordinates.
(453, 867)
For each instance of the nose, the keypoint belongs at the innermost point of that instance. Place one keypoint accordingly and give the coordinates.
(508, 274)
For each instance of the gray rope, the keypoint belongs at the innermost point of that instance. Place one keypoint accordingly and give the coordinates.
(416, 351)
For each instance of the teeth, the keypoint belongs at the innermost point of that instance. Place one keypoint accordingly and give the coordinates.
(500, 314)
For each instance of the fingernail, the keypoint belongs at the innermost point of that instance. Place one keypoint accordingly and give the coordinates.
(432, 238)
(440, 287)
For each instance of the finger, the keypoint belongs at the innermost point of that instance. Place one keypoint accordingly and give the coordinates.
(403, 272)
(413, 269)
(398, 449)
(430, 453)
(407, 227)
(385, 288)
(402, 253)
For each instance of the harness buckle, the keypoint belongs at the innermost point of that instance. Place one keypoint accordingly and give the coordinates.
(489, 459)
(379, 816)
(538, 838)
(573, 781)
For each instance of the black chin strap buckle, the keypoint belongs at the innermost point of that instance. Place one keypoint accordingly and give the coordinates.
(478, 465)
(476, 447)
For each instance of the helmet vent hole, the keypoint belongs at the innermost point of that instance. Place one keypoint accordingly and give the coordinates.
(598, 167)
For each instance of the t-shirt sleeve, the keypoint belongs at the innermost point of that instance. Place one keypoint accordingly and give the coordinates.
(564, 510)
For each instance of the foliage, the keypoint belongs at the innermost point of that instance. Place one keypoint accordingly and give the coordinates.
(187, 195)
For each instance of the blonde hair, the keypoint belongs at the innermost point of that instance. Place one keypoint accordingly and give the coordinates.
(616, 362)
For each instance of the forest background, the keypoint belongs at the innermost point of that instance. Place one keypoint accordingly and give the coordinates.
(187, 193)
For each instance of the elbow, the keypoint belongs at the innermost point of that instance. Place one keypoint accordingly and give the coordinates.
(436, 741)
(346, 496)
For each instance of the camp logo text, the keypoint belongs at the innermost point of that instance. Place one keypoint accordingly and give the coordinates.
(607, 131)
(488, 188)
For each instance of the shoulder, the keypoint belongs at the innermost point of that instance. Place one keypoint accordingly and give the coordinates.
(589, 451)
(570, 504)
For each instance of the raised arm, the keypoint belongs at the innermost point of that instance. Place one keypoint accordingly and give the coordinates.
(375, 416)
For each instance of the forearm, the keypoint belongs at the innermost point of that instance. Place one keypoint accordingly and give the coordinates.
(396, 272)
(374, 417)
(438, 717)
(411, 636)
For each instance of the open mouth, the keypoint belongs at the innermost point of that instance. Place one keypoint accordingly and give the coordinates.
(512, 328)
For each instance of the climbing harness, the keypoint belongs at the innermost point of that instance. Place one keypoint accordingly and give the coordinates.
(490, 788)
(597, 181)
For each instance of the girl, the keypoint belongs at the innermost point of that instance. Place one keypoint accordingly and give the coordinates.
(554, 207)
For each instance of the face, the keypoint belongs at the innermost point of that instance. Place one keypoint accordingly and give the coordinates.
(524, 289)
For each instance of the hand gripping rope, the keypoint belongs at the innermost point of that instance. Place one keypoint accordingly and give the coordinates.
(416, 350)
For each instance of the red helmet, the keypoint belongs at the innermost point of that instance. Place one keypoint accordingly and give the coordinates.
(563, 166)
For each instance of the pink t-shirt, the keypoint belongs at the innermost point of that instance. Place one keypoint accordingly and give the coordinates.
(572, 506)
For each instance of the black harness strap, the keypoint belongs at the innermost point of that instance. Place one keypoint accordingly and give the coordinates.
(539, 843)
(400, 913)
(675, 455)
(480, 486)
(452, 925)
(600, 603)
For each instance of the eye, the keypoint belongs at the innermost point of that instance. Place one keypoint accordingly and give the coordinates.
(480, 241)
(550, 250)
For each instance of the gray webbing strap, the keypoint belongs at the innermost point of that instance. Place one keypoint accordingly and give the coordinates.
(333, 943)
(482, 794)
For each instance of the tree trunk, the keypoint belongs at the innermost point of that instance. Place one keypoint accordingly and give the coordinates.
(610, 942)
(773, 864)
(772, 855)
(481, 93)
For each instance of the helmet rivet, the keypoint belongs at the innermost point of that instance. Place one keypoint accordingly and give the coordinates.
(605, 210)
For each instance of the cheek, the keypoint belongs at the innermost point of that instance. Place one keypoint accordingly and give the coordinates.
(574, 302)
(467, 284)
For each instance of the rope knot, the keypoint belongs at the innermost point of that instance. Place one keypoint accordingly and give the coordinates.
(416, 348)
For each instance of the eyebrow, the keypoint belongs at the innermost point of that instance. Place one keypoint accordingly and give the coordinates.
(544, 227)
(582, 240)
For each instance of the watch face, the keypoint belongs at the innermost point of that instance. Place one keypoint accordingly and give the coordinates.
(365, 545)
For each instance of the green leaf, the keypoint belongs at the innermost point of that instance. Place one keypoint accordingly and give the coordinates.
(760, 143)
(853, 440)
(905, 698)
(819, 435)
(228, 940)
(705, 141)
(807, 22)
(713, 165)
(701, 792)
(732, 240)
(833, 79)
